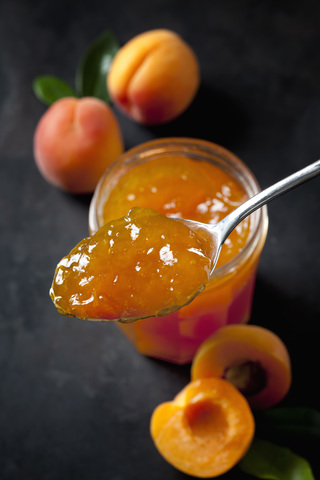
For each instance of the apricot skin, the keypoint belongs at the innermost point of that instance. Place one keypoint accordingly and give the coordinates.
(205, 430)
(237, 346)
(75, 141)
(154, 77)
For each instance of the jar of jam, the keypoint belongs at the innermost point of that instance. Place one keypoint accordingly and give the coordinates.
(197, 180)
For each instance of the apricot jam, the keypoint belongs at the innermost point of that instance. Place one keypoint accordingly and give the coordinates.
(143, 264)
(179, 187)
(197, 180)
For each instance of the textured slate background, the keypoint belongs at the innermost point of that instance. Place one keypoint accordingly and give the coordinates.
(75, 398)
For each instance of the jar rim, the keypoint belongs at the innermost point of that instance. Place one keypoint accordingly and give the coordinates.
(198, 148)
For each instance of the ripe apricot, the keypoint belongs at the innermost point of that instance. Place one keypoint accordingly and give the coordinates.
(75, 141)
(205, 430)
(154, 77)
(252, 358)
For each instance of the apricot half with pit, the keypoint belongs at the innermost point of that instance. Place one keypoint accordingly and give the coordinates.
(252, 358)
(205, 430)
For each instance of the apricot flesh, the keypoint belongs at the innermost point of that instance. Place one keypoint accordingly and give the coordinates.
(75, 141)
(144, 264)
(154, 77)
(252, 358)
(205, 430)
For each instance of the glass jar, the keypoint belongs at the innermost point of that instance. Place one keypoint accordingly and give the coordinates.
(228, 297)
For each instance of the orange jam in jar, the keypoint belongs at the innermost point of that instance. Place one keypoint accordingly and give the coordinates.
(197, 180)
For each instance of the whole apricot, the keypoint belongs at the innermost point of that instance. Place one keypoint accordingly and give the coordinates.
(252, 358)
(205, 430)
(154, 77)
(75, 141)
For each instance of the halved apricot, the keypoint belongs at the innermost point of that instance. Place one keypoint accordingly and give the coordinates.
(252, 358)
(205, 430)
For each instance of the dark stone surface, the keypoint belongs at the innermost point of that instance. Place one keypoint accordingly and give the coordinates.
(75, 398)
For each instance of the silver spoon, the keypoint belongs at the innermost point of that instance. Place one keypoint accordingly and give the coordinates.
(214, 236)
(217, 234)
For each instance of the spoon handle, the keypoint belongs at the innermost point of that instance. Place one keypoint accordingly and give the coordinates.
(265, 196)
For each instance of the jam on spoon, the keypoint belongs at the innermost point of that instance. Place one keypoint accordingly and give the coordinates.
(146, 264)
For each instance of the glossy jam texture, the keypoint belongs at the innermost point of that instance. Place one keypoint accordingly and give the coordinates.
(143, 264)
(177, 186)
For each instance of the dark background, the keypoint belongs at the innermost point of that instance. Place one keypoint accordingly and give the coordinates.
(75, 397)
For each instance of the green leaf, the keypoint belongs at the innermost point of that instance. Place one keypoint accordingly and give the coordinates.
(269, 461)
(94, 67)
(48, 89)
(297, 421)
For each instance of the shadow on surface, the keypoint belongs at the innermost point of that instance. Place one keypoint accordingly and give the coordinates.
(297, 324)
(212, 116)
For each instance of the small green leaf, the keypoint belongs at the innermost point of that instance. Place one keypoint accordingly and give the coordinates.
(268, 461)
(293, 421)
(94, 67)
(48, 89)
